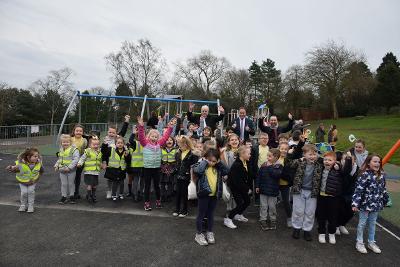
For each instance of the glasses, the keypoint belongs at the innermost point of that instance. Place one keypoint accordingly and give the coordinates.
(263, 138)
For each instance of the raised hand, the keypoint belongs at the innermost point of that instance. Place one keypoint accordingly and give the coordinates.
(290, 116)
(172, 122)
(127, 118)
(221, 109)
(140, 121)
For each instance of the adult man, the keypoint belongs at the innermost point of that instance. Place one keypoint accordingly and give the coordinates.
(209, 120)
(274, 130)
(243, 126)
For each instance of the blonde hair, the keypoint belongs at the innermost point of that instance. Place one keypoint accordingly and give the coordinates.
(65, 137)
(186, 140)
(152, 131)
(242, 149)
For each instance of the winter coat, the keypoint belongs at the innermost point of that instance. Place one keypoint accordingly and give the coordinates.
(268, 179)
(335, 179)
(203, 188)
(182, 167)
(239, 179)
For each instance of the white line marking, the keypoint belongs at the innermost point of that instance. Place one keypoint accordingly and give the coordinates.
(387, 230)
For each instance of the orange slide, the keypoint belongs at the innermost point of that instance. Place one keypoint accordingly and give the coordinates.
(391, 152)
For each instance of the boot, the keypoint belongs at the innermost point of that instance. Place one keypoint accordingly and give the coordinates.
(307, 236)
(296, 233)
(94, 199)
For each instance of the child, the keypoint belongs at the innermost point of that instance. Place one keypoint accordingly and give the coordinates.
(91, 162)
(206, 133)
(306, 185)
(360, 152)
(168, 163)
(285, 182)
(152, 160)
(328, 199)
(184, 160)
(209, 174)
(240, 183)
(135, 169)
(267, 185)
(283, 138)
(28, 168)
(116, 160)
(68, 158)
(80, 143)
(109, 141)
(370, 197)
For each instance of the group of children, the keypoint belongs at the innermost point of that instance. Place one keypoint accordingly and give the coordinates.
(329, 187)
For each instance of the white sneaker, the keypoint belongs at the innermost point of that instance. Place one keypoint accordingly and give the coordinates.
(337, 231)
(210, 238)
(289, 222)
(108, 195)
(22, 208)
(321, 238)
(240, 218)
(201, 240)
(374, 247)
(361, 248)
(175, 214)
(229, 223)
(343, 230)
(30, 209)
(332, 239)
(121, 196)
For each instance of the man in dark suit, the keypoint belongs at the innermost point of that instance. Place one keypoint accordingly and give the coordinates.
(273, 129)
(243, 126)
(210, 121)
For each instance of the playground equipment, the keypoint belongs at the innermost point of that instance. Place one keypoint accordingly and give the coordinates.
(352, 138)
(261, 111)
(232, 115)
(391, 152)
(166, 99)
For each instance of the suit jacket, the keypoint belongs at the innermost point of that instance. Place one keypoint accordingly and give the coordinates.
(247, 122)
(211, 121)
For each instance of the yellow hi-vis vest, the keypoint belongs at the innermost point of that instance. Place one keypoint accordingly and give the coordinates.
(116, 161)
(66, 155)
(168, 156)
(27, 174)
(137, 156)
(93, 160)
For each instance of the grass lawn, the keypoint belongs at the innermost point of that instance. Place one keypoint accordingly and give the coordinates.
(392, 214)
(379, 132)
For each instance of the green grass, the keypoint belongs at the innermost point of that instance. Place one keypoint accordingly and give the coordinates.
(379, 132)
(392, 214)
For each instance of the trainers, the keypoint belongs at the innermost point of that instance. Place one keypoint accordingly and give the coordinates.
(296, 233)
(343, 230)
(158, 204)
(210, 238)
(272, 225)
(114, 198)
(307, 236)
(183, 215)
(337, 231)
(289, 222)
(322, 238)
(374, 247)
(63, 200)
(121, 196)
(108, 195)
(22, 208)
(361, 248)
(201, 240)
(72, 200)
(229, 223)
(129, 194)
(240, 218)
(30, 209)
(332, 239)
(264, 225)
(175, 214)
(147, 206)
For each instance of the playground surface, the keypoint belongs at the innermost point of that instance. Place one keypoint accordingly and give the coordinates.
(119, 234)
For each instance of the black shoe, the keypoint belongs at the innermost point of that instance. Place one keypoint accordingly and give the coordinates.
(296, 233)
(63, 200)
(77, 196)
(264, 225)
(72, 200)
(307, 236)
(94, 199)
(272, 225)
(139, 198)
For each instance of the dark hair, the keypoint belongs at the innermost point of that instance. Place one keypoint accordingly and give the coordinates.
(27, 153)
(77, 126)
(367, 162)
(296, 135)
(360, 141)
(211, 152)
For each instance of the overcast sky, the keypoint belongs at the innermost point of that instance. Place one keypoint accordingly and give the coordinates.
(41, 35)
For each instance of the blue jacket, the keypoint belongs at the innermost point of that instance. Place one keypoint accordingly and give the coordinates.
(203, 188)
(268, 179)
(370, 193)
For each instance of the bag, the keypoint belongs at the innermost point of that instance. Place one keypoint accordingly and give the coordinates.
(192, 191)
(226, 194)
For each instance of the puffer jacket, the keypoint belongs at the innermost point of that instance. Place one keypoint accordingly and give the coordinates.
(370, 193)
(203, 188)
(335, 180)
(182, 167)
(268, 179)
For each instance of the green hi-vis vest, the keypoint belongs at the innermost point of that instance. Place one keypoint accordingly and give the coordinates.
(27, 174)
(93, 160)
(116, 161)
(137, 156)
(66, 155)
(168, 156)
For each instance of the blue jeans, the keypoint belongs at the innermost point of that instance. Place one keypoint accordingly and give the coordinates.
(365, 218)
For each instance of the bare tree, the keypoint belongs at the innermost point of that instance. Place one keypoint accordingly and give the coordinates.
(326, 65)
(54, 89)
(236, 84)
(5, 99)
(293, 83)
(204, 70)
(140, 65)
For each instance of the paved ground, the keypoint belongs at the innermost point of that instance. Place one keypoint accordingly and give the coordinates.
(119, 234)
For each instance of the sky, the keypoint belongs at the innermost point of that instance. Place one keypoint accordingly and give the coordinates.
(37, 36)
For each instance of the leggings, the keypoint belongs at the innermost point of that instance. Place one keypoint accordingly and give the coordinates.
(151, 174)
(182, 196)
(78, 180)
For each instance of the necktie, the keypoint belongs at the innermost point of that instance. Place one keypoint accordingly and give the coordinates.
(242, 129)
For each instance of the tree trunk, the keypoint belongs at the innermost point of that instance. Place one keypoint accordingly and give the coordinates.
(334, 108)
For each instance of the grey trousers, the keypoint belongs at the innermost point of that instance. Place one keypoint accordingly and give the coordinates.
(303, 210)
(67, 183)
(27, 194)
(268, 208)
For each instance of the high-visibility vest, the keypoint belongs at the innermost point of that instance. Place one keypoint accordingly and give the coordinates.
(93, 160)
(66, 155)
(168, 156)
(27, 174)
(116, 161)
(137, 156)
